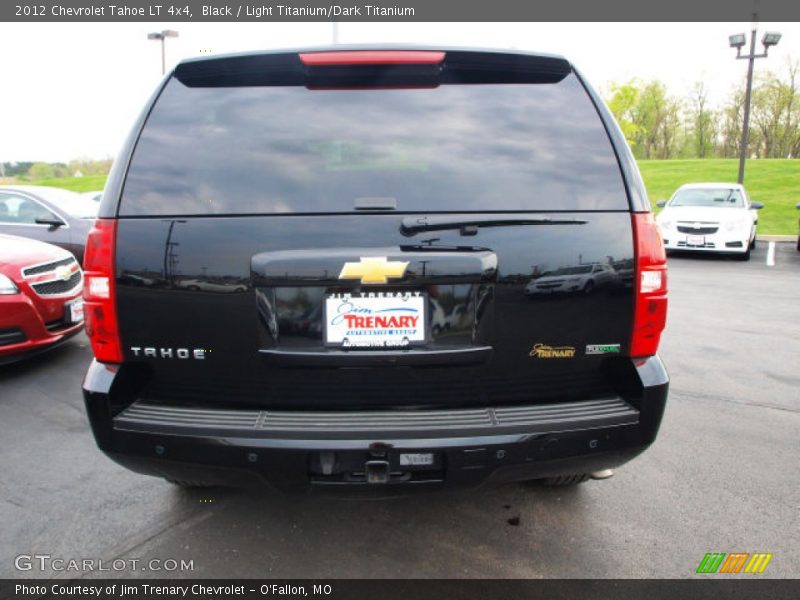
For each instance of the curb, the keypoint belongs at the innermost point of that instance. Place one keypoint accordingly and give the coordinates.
(776, 238)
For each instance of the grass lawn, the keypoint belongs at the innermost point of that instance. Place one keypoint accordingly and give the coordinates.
(775, 182)
(88, 183)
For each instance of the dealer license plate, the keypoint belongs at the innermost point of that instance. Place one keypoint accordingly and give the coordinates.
(375, 319)
(75, 310)
(695, 240)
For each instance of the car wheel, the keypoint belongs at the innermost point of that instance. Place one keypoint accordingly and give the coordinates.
(753, 243)
(565, 480)
(190, 484)
(589, 287)
(798, 243)
(745, 256)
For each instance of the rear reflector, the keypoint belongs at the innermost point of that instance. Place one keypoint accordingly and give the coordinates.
(650, 313)
(100, 309)
(371, 57)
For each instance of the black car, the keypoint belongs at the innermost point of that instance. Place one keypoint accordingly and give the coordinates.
(59, 217)
(360, 197)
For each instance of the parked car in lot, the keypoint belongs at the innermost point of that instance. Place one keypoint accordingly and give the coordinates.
(583, 279)
(47, 214)
(710, 217)
(40, 297)
(206, 285)
(391, 179)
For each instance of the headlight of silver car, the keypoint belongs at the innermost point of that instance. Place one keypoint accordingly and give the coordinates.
(737, 224)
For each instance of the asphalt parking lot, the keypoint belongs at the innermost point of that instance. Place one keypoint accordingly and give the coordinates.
(723, 475)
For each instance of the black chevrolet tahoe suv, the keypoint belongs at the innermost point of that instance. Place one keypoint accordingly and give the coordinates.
(365, 267)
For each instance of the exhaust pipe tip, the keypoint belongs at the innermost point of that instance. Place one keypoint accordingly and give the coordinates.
(604, 474)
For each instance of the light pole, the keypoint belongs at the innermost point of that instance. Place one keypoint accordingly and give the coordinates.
(162, 35)
(737, 41)
(169, 256)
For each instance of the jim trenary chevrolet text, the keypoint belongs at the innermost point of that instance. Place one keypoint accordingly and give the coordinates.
(359, 227)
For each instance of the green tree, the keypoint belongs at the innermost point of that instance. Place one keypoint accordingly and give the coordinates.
(702, 126)
(730, 133)
(40, 170)
(622, 104)
(775, 119)
(657, 116)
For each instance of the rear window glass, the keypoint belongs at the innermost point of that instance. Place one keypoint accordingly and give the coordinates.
(290, 149)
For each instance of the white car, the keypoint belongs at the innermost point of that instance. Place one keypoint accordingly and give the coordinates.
(209, 286)
(710, 217)
(573, 279)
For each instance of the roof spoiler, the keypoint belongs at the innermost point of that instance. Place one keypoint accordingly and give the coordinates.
(372, 68)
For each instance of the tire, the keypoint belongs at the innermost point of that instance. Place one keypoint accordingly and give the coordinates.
(190, 484)
(565, 480)
(753, 243)
(745, 256)
(589, 287)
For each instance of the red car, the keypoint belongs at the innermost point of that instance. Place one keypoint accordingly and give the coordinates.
(40, 297)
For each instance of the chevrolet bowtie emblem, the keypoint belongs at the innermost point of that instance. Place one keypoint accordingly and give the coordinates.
(373, 269)
(63, 272)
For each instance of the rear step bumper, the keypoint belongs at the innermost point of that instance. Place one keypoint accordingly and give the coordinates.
(293, 449)
(358, 427)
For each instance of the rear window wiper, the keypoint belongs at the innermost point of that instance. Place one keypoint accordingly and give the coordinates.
(470, 225)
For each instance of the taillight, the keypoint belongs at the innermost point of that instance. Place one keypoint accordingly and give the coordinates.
(650, 312)
(100, 306)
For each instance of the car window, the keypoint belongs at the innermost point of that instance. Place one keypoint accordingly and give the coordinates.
(21, 210)
(722, 198)
(576, 270)
(77, 205)
(284, 149)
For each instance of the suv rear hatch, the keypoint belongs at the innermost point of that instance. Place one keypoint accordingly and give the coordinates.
(349, 230)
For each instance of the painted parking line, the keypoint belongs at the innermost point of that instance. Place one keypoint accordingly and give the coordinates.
(771, 254)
